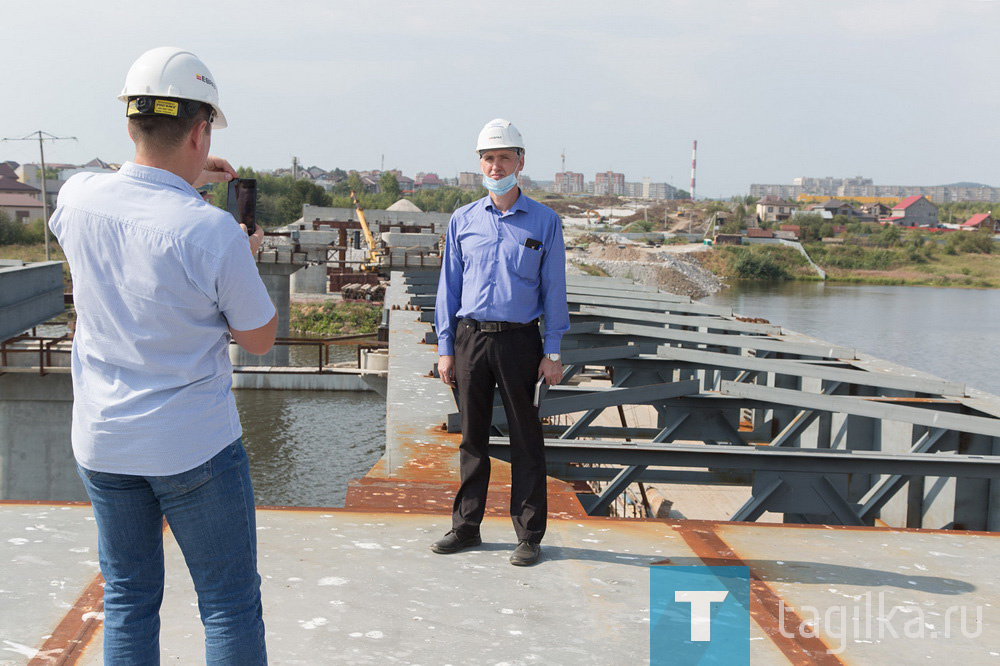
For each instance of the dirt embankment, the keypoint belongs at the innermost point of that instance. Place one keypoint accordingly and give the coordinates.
(671, 268)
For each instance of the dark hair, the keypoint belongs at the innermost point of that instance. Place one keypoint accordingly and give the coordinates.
(164, 133)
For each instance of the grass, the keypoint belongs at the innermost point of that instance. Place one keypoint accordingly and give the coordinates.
(336, 317)
(972, 270)
(590, 269)
(36, 252)
(878, 266)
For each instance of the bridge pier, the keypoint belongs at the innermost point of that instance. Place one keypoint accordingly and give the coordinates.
(276, 277)
(36, 458)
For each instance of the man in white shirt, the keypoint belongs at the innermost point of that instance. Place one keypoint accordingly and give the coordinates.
(162, 281)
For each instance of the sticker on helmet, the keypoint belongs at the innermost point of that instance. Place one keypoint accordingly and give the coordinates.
(165, 107)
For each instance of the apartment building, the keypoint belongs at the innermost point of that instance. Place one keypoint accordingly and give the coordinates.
(609, 182)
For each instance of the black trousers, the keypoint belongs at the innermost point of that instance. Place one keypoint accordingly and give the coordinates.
(509, 360)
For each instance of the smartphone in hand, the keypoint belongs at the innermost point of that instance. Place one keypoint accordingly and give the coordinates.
(241, 202)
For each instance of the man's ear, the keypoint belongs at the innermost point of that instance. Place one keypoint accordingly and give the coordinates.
(200, 133)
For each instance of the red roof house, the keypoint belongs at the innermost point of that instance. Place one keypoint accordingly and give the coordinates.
(915, 211)
(980, 221)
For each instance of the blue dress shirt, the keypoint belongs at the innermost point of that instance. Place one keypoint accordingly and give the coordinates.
(503, 267)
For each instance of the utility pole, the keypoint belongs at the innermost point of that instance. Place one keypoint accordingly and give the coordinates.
(42, 136)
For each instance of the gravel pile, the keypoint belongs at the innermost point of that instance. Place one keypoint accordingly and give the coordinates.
(677, 273)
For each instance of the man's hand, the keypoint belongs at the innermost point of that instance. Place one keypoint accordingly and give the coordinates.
(552, 370)
(446, 368)
(216, 170)
(256, 239)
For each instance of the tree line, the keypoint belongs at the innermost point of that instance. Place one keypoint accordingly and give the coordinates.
(280, 198)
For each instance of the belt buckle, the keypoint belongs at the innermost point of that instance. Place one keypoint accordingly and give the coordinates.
(489, 326)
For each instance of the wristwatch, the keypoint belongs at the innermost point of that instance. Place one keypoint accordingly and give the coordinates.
(553, 357)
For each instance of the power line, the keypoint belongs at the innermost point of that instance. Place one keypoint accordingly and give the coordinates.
(42, 137)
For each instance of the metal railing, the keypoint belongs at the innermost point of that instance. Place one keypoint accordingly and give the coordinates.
(46, 348)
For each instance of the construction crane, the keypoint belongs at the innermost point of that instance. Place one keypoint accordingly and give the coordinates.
(372, 264)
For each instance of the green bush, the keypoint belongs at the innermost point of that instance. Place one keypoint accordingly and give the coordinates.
(853, 257)
(961, 242)
(336, 318)
(757, 266)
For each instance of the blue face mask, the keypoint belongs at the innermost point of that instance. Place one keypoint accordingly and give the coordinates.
(502, 186)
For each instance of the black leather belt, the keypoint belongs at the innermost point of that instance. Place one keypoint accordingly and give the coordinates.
(497, 326)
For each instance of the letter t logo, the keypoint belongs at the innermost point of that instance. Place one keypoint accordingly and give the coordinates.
(701, 610)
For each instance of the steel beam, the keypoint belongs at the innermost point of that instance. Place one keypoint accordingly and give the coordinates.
(618, 314)
(602, 282)
(885, 489)
(568, 472)
(635, 302)
(805, 369)
(734, 341)
(599, 505)
(753, 508)
(868, 407)
(653, 296)
(830, 461)
(641, 395)
(591, 414)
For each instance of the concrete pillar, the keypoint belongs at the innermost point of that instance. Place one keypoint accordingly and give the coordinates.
(36, 456)
(311, 279)
(315, 245)
(276, 279)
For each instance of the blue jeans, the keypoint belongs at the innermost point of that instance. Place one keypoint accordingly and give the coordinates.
(210, 510)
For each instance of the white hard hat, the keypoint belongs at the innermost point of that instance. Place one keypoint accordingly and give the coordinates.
(497, 134)
(164, 75)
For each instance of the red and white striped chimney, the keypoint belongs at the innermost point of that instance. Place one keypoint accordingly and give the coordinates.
(694, 164)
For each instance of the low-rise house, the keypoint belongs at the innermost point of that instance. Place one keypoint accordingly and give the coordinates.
(915, 211)
(427, 181)
(788, 232)
(9, 183)
(980, 222)
(838, 207)
(728, 239)
(877, 210)
(96, 165)
(406, 184)
(756, 232)
(21, 207)
(774, 209)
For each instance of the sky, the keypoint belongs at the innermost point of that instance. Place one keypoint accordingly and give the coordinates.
(906, 92)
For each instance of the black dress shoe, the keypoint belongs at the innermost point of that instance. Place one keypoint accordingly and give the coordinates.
(526, 554)
(455, 541)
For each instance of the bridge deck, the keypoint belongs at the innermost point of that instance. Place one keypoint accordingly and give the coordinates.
(360, 585)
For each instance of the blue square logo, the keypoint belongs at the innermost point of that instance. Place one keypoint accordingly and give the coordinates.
(698, 615)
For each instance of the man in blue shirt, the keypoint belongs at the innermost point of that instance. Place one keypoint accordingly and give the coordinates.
(504, 267)
(162, 281)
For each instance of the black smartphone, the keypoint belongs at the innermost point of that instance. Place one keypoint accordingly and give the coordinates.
(241, 202)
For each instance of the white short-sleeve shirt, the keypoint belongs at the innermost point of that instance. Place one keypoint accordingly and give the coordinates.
(159, 276)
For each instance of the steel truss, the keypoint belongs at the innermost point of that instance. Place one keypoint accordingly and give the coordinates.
(819, 432)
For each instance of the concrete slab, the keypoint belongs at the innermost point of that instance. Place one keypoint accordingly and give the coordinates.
(358, 588)
(881, 596)
(363, 587)
(48, 559)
